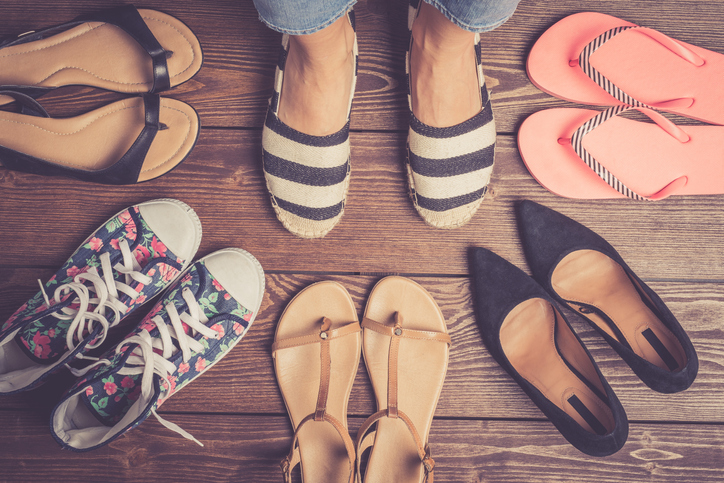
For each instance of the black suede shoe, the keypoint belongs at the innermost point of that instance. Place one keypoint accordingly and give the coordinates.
(581, 270)
(529, 337)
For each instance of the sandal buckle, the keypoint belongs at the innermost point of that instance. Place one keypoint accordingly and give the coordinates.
(398, 331)
(429, 464)
(284, 464)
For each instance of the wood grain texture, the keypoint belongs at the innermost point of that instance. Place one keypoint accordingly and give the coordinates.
(475, 386)
(248, 449)
(380, 232)
(486, 429)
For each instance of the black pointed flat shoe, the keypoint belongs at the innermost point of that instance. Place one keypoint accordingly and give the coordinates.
(530, 338)
(581, 270)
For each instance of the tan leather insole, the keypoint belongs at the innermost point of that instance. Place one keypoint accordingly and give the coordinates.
(528, 336)
(589, 277)
(98, 139)
(101, 55)
(322, 451)
(421, 369)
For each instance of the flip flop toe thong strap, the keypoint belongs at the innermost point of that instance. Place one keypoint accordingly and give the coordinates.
(398, 331)
(323, 334)
(577, 143)
(616, 92)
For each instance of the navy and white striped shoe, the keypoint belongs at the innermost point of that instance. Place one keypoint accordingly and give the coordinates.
(307, 176)
(449, 168)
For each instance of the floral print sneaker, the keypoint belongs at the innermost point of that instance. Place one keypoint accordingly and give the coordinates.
(123, 264)
(199, 320)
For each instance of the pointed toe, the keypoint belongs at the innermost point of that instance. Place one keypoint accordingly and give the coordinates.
(584, 272)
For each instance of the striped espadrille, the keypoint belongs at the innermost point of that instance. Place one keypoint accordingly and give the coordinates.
(449, 168)
(307, 176)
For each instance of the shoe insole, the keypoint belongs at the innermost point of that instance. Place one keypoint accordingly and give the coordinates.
(101, 55)
(13, 358)
(536, 344)
(321, 448)
(97, 139)
(592, 282)
(421, 369)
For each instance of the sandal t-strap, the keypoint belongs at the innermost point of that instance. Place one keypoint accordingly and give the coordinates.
(323, 337)
(396, 333)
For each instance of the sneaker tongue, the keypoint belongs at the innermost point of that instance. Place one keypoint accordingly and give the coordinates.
(110, 397)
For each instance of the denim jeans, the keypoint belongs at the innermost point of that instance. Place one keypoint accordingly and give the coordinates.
(299, 17)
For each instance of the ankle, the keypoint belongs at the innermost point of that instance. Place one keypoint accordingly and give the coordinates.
(327, 48)
(435, 35)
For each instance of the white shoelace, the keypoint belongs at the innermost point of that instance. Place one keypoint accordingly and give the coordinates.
(144, 360)
(106, 291)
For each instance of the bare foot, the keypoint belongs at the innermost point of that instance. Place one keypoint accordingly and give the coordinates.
(317, 80)
(443, 71)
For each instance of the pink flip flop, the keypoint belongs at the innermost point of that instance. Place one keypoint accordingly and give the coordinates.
(593, 58)
(579, 153)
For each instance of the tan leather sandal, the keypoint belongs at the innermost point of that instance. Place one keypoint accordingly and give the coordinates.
(405, 347)
(316, 352)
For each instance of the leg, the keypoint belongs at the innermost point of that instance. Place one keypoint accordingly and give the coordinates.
(443, 79)
(317, 77)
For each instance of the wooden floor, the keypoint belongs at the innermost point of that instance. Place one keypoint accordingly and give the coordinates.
(485, 428)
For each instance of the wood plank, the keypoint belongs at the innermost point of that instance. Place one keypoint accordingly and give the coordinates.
(475, 386)
(248, 449)
(487, 429)
(234, 85)
(678, 238)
